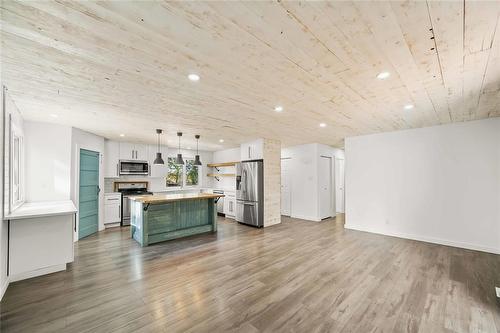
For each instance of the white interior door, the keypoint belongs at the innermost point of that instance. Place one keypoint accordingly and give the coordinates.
(325, 187)
(339, 181)
(286, 198)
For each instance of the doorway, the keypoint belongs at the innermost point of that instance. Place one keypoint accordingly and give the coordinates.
(88, 210)
(325, 187)
(286, 179)
(339, 181)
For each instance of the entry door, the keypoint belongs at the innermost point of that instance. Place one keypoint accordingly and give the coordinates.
(325, 186)
(286, 197)
(88, 211)
(339, 181)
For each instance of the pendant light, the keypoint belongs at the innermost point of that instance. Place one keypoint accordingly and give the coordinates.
(158, 160)
(179, 159)
(197, 157)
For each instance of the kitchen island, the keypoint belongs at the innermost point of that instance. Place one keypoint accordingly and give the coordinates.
(160, 217)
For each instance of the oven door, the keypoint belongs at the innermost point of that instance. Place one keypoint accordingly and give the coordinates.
(125, 211)
(134, 168)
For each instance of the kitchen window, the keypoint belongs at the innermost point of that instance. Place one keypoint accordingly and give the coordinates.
(191, 173)
(17, 168)
(182, 175)
(175, 172)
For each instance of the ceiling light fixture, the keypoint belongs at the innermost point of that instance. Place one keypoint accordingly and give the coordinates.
(197, 157)
(409, 106)
(122, 135)
(158, 160)
(53, 115)
(383, 75)
(179, 159)
(221, 140)
(278, 108)
(322, 125)
(194, 77)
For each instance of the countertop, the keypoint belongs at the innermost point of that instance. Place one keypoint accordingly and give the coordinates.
(163, 198)
(42, 208)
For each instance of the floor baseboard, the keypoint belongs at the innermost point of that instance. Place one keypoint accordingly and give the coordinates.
(426, 239)
(4, 288)
(38, 272)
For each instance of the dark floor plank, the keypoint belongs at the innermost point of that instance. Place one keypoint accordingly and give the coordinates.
(295, 277)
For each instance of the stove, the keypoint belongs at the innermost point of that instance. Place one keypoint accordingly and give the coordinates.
(129, 190)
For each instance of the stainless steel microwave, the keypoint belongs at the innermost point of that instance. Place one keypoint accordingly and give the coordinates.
(133, 167)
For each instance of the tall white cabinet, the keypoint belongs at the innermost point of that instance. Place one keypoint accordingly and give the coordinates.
(111, 158)
(253, 150)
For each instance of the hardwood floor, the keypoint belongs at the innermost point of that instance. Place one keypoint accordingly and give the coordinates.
(295, 277)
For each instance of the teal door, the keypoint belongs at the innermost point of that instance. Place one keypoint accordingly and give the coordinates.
(89, 193)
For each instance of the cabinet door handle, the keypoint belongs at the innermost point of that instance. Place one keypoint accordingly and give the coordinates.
(119, 211)
(248, 151)
(117, 169)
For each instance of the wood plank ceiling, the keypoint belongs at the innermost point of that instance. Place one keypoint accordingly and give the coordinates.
(116, 67)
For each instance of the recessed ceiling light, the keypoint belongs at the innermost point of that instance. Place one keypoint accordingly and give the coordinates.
(122, 135)
(278, 108)
(221, 140)
(383, 75)
(194, 77)
(322, 125)
(409, 106)
(53, 115)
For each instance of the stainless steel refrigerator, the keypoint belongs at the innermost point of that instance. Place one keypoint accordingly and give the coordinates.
(250, 193)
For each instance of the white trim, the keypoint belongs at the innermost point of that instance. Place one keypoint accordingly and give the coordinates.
(427, 239)
(304, 217)
(38, 272)
(4, 288)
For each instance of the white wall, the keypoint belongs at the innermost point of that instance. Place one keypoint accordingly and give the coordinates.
(304, 167)
(48, 161)
(438, 184)
(304, 180)
(227, 155)
(85, 140)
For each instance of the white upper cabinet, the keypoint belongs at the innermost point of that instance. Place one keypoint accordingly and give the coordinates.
(252, 150)
(130, 151)
(158, 170)
(127, 151)
(111, 158)
(141, 152)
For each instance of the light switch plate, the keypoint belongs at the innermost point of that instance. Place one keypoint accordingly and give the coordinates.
(498, 292)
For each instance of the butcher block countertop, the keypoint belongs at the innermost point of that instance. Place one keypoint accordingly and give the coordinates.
(164, 198)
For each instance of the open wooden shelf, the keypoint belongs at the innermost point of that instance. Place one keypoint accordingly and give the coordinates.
(221, 175)
(225, 164)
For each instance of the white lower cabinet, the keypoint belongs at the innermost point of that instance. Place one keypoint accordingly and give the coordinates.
(229, 204)
(112, 208)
